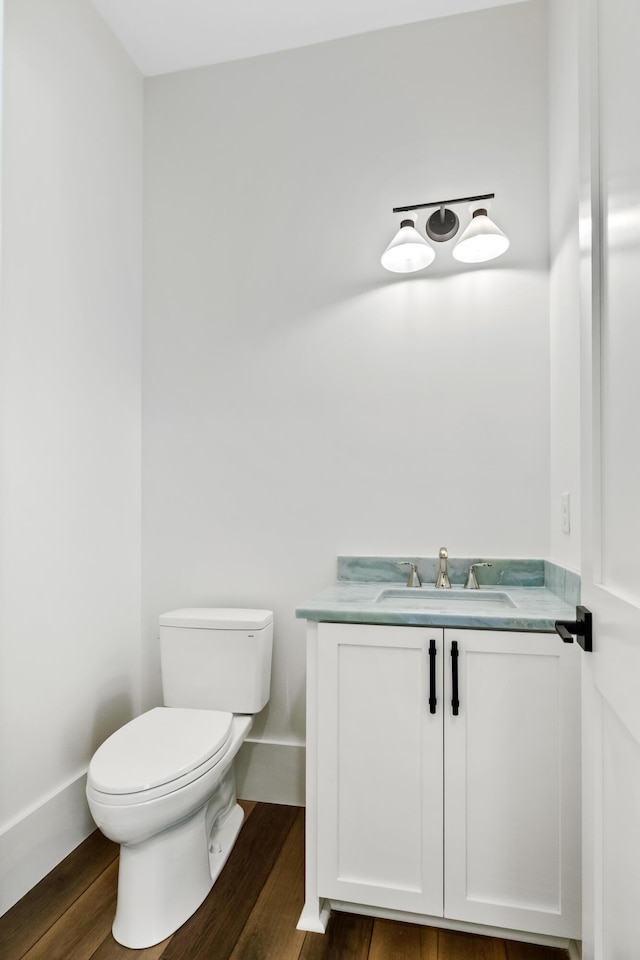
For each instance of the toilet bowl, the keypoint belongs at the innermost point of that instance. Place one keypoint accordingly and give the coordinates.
(163, 786)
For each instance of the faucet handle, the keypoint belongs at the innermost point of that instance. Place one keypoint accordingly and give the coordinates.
(472, 580)
(414, 579)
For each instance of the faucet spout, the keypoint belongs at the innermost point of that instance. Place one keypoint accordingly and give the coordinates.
(443, 583)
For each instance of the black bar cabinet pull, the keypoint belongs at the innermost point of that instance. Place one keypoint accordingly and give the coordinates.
(581, 627)
(432, 676)
(455, 703)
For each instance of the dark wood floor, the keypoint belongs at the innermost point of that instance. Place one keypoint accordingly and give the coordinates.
(250, 914)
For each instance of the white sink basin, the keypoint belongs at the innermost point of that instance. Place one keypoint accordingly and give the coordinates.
(431, 599)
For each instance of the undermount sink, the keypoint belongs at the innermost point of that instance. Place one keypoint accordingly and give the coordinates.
(432, 599)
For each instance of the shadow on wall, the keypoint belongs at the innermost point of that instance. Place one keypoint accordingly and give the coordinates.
(112, 713)
(397, 292)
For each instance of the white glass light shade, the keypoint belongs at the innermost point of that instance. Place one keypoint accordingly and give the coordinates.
(482, 240)
(408, 251)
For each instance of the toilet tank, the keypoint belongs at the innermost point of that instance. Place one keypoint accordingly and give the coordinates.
(216, 658)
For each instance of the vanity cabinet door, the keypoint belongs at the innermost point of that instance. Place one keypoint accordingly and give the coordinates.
(512, 776)
(380, 814)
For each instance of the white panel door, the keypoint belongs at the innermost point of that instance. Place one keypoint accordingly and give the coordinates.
(379, 767)
(512, 782)
(610, 228)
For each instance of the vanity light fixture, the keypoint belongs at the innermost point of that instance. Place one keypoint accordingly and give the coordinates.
(408, 251)
(481, 240)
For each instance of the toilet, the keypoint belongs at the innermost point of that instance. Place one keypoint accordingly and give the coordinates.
(163, 785)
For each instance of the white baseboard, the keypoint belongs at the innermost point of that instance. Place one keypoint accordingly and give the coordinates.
(36, 842)
(271, 772)
(32, 845)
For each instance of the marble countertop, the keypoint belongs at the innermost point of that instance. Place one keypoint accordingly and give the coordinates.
(536, 608)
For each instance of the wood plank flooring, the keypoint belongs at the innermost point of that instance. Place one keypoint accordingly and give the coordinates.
(250, 914)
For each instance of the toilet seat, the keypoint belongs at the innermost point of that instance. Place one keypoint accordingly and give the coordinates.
(158, 752)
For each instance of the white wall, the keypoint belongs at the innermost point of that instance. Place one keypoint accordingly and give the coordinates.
(564, 310)
(69, 421)
(299, 402)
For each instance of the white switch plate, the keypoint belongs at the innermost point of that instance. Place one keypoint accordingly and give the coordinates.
(565, 510)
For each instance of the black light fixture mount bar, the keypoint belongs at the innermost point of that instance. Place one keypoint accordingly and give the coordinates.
(443, 203)
(442, 225)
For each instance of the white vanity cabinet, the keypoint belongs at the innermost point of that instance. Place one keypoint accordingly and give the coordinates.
(469, 813)
(380, 802)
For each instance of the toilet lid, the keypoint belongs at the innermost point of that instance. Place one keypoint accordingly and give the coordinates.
(157, 747)
(217, 618)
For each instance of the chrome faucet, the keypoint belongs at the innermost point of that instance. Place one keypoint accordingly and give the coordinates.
(472, 580)
(442, 583)
(414, 579)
